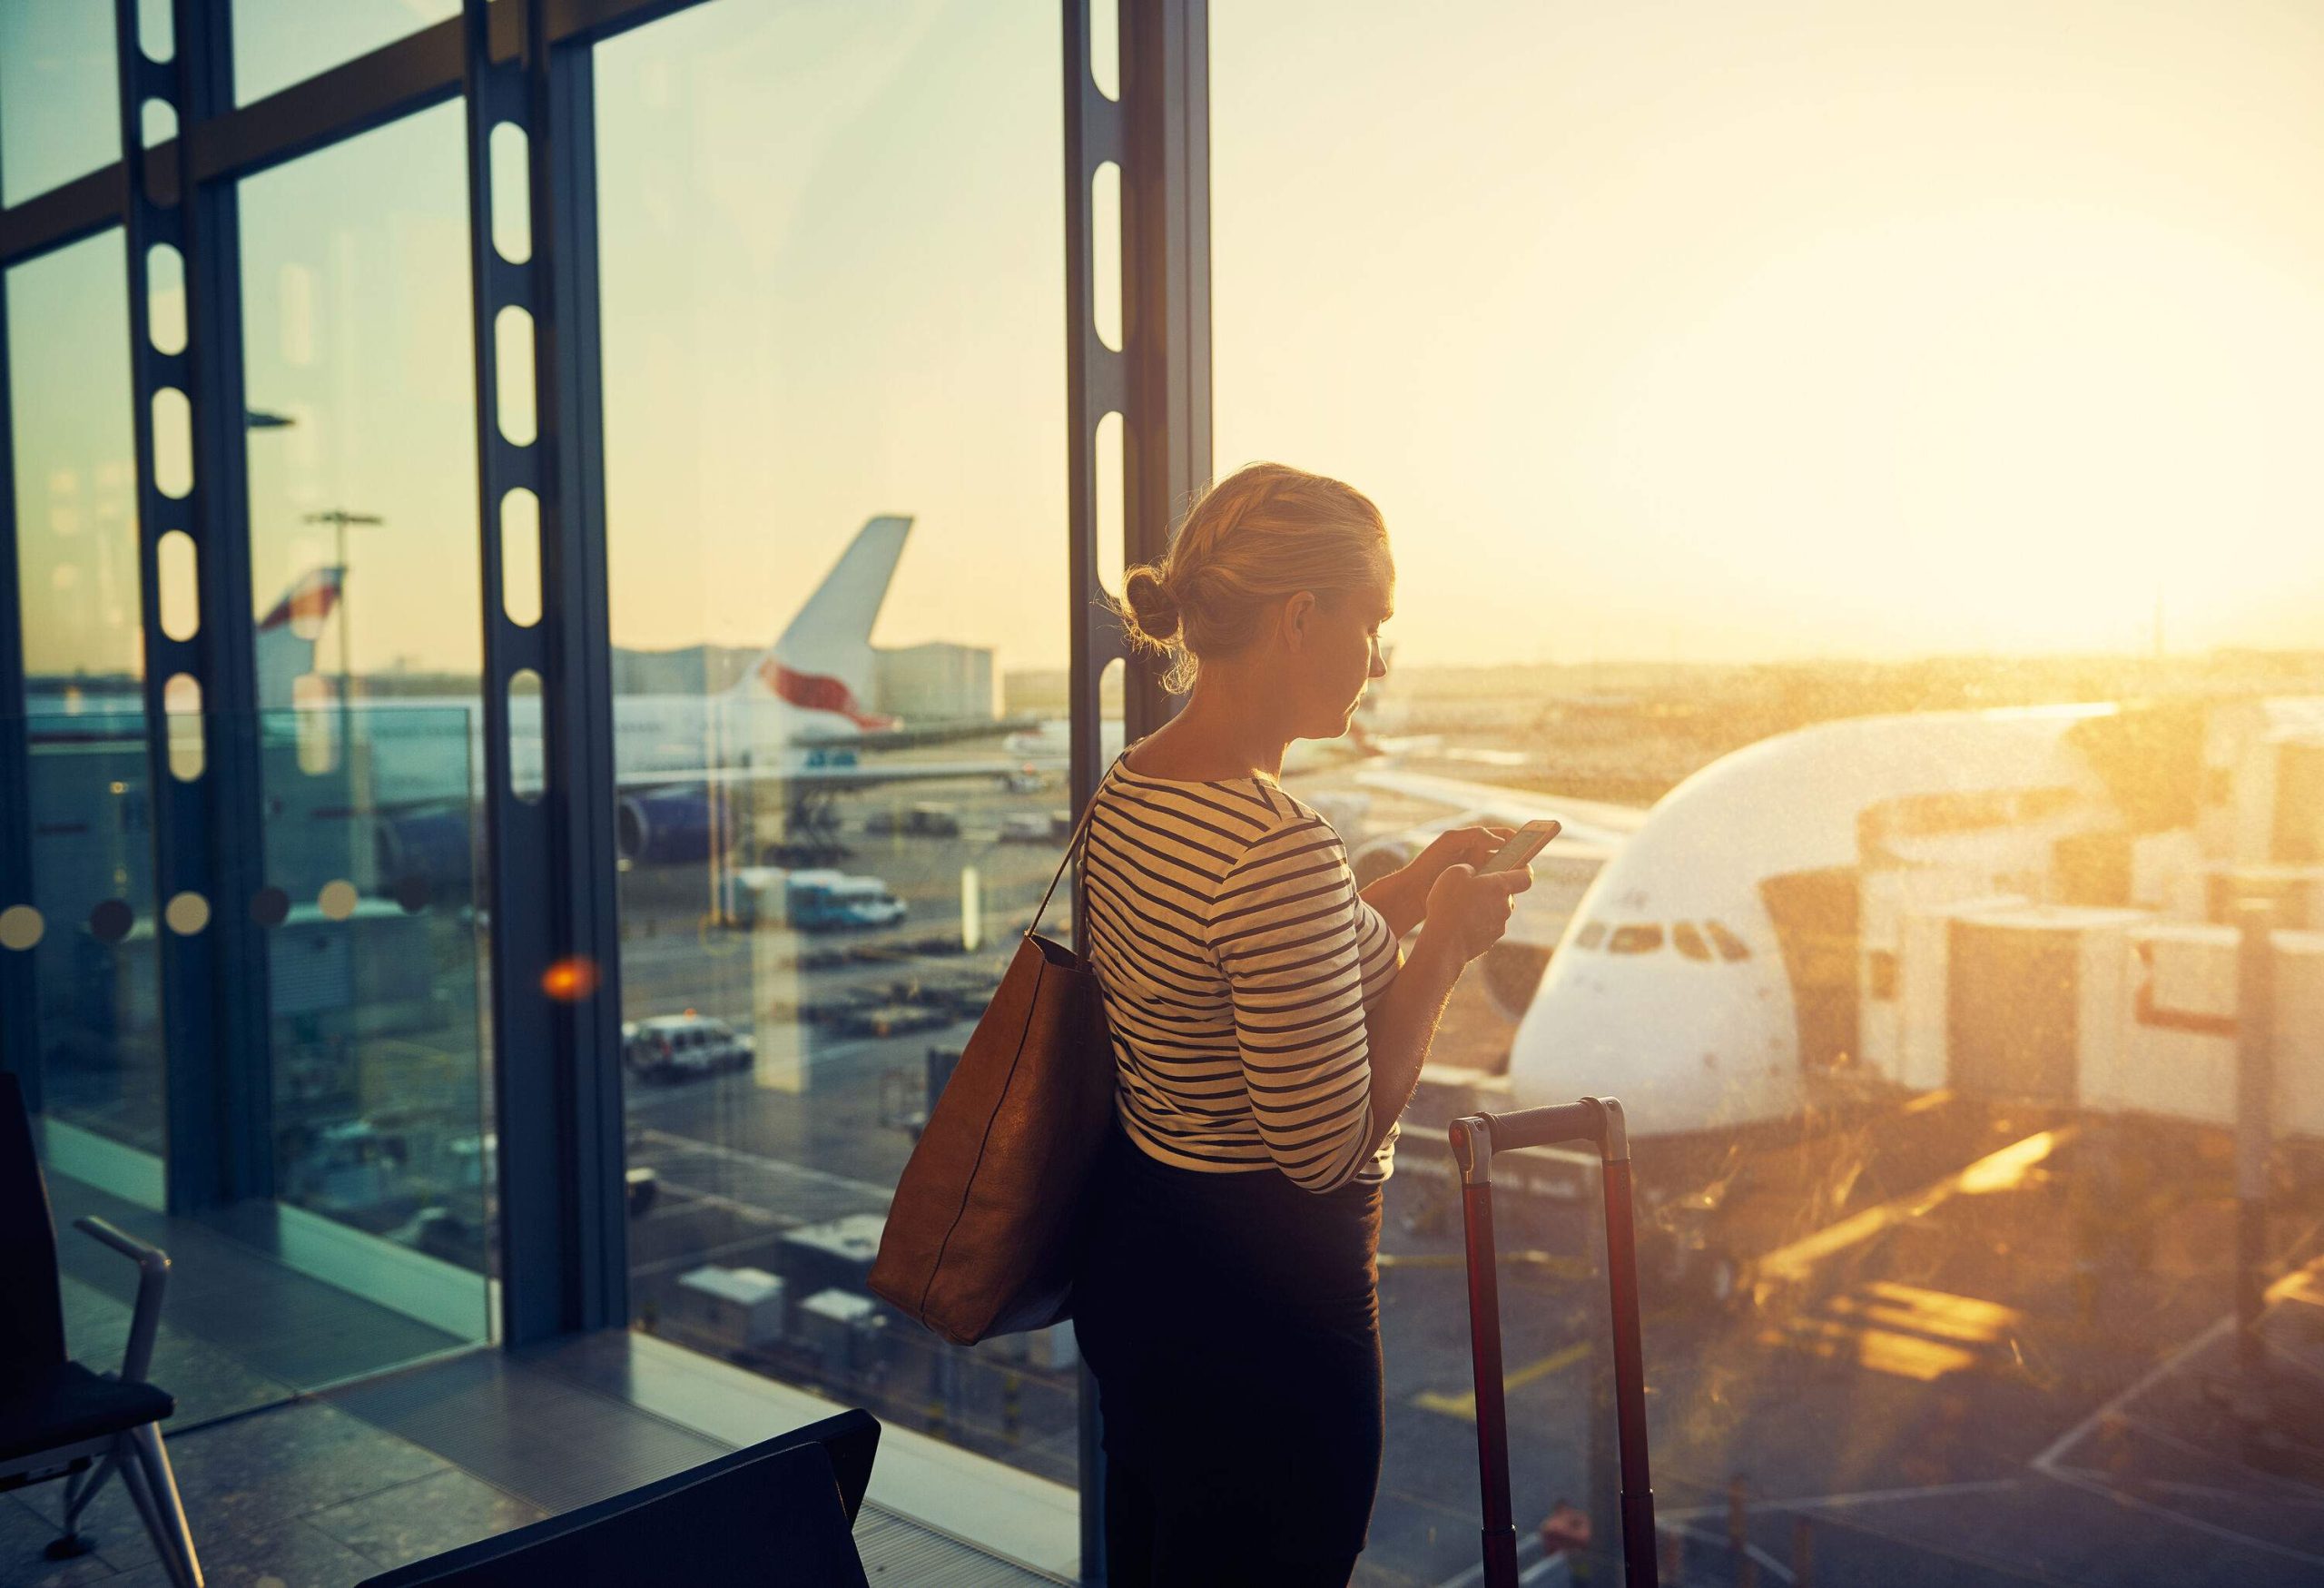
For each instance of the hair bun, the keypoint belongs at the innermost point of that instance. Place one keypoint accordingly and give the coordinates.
(1150, 601)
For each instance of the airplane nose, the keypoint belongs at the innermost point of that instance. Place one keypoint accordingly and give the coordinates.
(1674, 1062)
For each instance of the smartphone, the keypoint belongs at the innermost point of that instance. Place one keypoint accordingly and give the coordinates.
(1523, 844)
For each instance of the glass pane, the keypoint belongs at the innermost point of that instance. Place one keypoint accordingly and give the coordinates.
(277, 42)
(835, 431)
(60, 96)
(363, 505)
(1753, 410)
(91, 810)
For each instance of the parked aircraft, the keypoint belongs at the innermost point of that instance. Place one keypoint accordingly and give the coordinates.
(795, 729)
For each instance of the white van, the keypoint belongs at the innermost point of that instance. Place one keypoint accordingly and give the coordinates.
(681, 1047)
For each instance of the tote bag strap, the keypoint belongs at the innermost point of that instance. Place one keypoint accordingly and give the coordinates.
(1075, 842)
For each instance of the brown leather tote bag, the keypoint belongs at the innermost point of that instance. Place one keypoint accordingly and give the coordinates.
(982, 1237)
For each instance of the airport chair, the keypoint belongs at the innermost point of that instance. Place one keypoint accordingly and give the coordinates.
(57, 1418)
(780, 1514)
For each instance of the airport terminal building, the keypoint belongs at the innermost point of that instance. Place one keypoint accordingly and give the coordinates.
(552, 628)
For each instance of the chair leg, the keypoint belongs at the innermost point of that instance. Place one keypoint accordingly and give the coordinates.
(171, 1537)
(154, 1517)
(79, 1491)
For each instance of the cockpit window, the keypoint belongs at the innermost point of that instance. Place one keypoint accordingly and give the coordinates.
(1591, 936)
(1730, 947)
(1688, 941)
(1634, 939)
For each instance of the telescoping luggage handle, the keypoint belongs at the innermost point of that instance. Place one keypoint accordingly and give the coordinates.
(1475, 1138)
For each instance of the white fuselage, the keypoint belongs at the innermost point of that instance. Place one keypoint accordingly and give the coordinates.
(432, 748)
(1709, 1040)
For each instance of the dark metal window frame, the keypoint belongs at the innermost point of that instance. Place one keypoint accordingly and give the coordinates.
(1157, 134)
(562, 1235)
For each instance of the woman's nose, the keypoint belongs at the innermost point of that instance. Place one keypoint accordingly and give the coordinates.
(1378, 667)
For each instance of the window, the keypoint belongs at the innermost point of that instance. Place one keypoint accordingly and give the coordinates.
(92, 926)
(365, 583)
(1880, 975)
(1634, 939)
(277, 42)
(1648, 270)
(60, 103)
(832, 276)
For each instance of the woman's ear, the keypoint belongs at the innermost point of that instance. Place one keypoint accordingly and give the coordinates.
(1298, 613)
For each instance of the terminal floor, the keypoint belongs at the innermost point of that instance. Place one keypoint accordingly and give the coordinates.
(314, 1495)
(311, 1453)
(324, 1490)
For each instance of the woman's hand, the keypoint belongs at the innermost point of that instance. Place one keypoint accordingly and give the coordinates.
(1402, 896)
(1467, 913)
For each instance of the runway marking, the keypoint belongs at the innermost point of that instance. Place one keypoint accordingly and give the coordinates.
(1465, 1405)
(1843, 1502)
(2162, 1435)
(2213, 1492)
(695, 1198)
(2071, 1479)
(1561, 1264)
(1768, 1562)
(1996, 1171)
(691, 1260)
(880, 1196)
(2050, 1465)
(1528, 1545)
(2161, 1370)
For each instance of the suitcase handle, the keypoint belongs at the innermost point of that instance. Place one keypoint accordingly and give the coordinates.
(1597, 1121)
(1475, 1138)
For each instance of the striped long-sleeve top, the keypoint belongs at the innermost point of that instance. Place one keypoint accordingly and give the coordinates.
(1237, 960)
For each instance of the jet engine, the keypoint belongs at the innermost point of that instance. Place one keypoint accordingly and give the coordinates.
(675, 826)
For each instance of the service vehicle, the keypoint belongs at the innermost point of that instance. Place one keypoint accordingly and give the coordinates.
(683, 1047)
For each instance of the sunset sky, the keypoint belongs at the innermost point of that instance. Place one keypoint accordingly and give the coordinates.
(1659, 330)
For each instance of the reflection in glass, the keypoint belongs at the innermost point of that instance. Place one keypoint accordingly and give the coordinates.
(364, 558)
(60, 99)
(91, 813)
(832, 280)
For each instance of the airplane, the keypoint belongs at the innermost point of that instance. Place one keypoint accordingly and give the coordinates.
(795, 723)
(1666, 976)
(1700, 959)
(1711, 972)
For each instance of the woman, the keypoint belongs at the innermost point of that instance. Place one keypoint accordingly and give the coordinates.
(1267, 1030)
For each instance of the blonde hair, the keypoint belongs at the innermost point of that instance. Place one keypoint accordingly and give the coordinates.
(1266, 531)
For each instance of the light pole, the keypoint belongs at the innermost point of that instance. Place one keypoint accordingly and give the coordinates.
(342, 520)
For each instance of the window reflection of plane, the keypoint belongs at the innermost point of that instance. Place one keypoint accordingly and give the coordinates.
(689, 768)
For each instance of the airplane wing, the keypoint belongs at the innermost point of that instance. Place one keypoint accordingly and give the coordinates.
(838, 775)
(1587, 821)
(917, 735)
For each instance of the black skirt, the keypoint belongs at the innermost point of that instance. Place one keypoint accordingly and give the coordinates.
(1232, 1322)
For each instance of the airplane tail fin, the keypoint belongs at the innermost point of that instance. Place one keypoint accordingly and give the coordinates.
(287, 633)
(822, 661)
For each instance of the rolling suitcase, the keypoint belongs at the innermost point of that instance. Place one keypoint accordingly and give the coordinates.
(1475, 1138)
